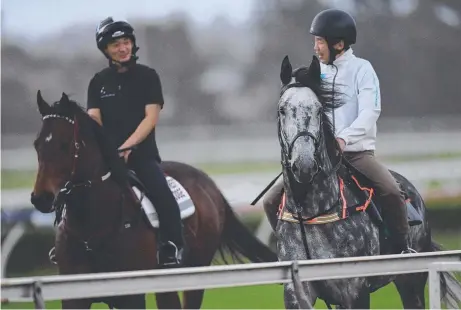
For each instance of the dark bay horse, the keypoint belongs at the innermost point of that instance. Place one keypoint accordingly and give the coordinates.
(101, 225)
(328, 209)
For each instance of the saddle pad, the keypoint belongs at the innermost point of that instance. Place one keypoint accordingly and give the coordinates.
(186, 205)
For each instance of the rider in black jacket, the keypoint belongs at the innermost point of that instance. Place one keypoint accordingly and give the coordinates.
(126, 98)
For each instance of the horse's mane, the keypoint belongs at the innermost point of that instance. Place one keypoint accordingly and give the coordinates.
(329, 97)
(88, 127)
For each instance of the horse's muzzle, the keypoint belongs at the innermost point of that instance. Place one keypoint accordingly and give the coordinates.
(303, 169)
(43, 202)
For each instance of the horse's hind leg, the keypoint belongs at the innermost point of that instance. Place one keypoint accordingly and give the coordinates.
(411, 290)
(168, 300)
(127, 302)
(363, 302)
(76, 304)
(193, 299)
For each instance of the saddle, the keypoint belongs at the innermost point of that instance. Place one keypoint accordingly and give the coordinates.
(186, 205)
(135, 181)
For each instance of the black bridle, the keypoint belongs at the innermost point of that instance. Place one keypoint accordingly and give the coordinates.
(287, 147)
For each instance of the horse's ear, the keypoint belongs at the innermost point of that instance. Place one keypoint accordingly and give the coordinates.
(64, 98)
(43, 106)
(314, 70)
(286, 71)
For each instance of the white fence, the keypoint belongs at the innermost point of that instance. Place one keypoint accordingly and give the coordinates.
(39, 289)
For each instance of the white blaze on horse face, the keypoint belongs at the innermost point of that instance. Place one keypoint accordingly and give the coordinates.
(301, 109)
(49, 137)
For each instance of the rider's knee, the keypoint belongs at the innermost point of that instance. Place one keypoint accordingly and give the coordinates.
(273, 195)
(391, 188)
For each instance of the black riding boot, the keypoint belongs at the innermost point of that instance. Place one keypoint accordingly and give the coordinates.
(395, 216)
(171, 247)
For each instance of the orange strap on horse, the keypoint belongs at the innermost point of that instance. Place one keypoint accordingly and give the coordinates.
(370, 195)
(330, 217)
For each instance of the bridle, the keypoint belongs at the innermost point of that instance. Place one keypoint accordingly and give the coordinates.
(71, 184)
(286, 158)
(63, 195)
(287, 147)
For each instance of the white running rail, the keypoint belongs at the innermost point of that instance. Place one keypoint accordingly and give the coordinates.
(38, 289)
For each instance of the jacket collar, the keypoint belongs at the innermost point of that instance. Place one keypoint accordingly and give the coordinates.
(346, 56)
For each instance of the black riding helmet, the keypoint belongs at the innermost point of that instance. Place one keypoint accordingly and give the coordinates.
(334, 25)
(109, 30)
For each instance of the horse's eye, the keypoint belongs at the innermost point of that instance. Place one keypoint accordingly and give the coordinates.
(282, 110)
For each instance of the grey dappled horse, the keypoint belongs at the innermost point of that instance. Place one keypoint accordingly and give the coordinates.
(320, 190)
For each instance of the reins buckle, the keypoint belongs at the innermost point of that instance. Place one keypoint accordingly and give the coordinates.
(87, 248)
(67, 189)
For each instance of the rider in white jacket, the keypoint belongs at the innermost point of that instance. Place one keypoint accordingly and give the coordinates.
(355, 121)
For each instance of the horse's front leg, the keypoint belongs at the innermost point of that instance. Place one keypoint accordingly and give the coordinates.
(72, 259)
(299, 299)
(297, 295)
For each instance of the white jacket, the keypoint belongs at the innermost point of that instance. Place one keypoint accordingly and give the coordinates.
(355, 121)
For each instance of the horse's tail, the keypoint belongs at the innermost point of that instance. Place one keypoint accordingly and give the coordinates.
(237, 239)
(450, 287)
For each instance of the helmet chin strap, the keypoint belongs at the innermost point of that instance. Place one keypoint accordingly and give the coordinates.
(333, 52)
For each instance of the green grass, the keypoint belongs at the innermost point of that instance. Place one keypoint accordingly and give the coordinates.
(250, 297)
(452, 202)
(13, 179)
(448, 241)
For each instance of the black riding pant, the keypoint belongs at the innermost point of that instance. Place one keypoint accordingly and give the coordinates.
(149, 172)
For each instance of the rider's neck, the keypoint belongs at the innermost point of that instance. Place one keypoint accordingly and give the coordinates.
(122, 69)
(118, 67)
(340, 54)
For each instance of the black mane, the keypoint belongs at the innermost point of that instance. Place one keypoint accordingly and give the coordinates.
(89, 128)
(329, 97)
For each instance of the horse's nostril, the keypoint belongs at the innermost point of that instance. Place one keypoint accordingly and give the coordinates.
(33, 198)
(43, 202)
(294, 168)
